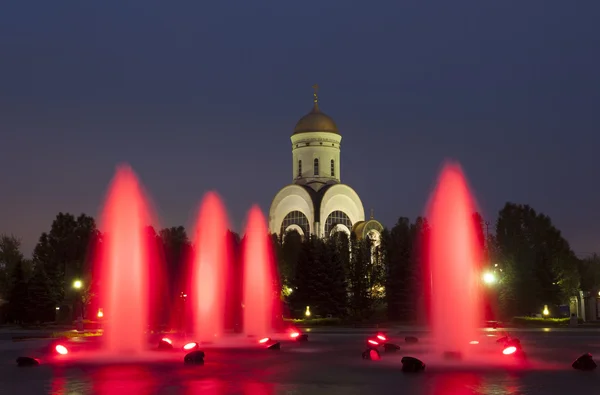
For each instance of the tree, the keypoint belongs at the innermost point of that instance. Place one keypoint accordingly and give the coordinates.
(40, 306)
(288, 258)
(361, 280)
(18, 296)
(398, 246)
(10, 256)
(589, 272)
(334, 259)
(404, 258)
(63, 251)
(538, 265)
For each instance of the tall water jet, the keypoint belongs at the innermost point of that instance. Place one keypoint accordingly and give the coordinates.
(209, 269)
(124, 265)
(259, 279)
(454, 256)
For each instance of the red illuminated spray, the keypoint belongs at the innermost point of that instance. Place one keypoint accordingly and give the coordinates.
(208, 286)
(125, 265)
(454, 255)
(259, 279)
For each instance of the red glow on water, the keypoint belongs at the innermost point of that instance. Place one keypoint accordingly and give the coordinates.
(259, 279)
(509, 350)
(454, 254)
(126, 265)
(62, 350)
(382, 338)
(209, 272)
(264, 340)
(373, 342)
(189, 346)
(374, 355)
(294, 335)
(167, 340)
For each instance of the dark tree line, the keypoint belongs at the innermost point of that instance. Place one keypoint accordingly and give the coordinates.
(340, 276)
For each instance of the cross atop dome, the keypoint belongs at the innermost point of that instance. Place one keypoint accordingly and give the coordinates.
(316, 95)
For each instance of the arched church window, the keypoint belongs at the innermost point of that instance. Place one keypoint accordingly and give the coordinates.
(299, 168)
(316, 166)
(332, 168)
(295, 218)
(337, 218)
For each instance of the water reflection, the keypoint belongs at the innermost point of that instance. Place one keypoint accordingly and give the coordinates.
(455, 384)
(258, 389)
(205, 387)
(123, 380)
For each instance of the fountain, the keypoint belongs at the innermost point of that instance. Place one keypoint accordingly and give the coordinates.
(259, 279)
(454, 256)
(125, 266)
(208, 279)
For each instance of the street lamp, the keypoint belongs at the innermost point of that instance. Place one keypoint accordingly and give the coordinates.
(489, 278)
(77, 284)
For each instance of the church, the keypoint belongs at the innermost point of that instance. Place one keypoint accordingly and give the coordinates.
(316, 202)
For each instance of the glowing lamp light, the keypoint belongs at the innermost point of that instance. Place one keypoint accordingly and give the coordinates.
(62, 350)
(546, 311)
(167, 340)
(473, 342)
(489, 278)
(294, 335)
(307, 312)
(381, 337)
(100, 313)
(509, 350)
(373, 342)
(190, 346)
(77, 284)
(264, 340)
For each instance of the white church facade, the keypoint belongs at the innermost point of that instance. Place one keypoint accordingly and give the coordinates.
(316, 202)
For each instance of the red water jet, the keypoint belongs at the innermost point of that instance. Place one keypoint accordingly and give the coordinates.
(454, 256)
(260, 290)
(209, 272)
(124, 265)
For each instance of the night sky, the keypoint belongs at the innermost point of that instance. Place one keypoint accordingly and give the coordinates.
(200, 95)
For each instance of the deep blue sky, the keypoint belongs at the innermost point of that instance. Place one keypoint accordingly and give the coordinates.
(202, 95)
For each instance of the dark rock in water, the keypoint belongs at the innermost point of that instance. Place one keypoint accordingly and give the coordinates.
(412, 365)
(411, 339)
(27, 361)
(164, 345)
(452, 355)
(275, 346)
(389, 347)
(585, 362)
(194, 358)
(371, 354)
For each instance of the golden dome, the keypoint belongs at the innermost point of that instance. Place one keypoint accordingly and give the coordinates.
(316, 121)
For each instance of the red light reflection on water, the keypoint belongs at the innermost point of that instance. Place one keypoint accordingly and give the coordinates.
(454, 255)
(258, 389)
(206, 387)
(456, 384)
(124, 380)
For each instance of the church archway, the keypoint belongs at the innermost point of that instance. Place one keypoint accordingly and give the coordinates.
(336, 220)
(295, 220)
